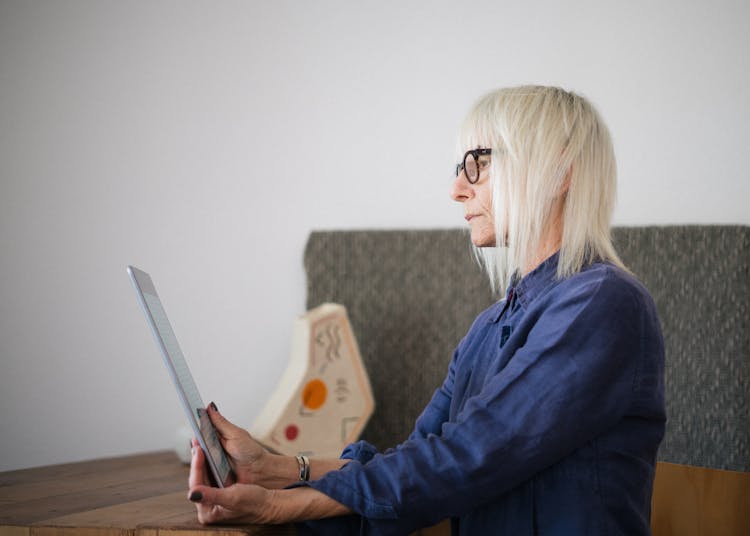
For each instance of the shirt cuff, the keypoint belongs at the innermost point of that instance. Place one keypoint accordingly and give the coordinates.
(338, 484)
(361, 451)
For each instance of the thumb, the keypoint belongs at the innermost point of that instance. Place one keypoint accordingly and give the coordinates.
(211, 502)
(206, 495)
(199, 494)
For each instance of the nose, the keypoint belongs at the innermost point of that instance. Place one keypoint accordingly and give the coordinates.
(461, 190)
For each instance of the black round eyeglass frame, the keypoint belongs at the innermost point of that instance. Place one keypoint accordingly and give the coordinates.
(472, 176)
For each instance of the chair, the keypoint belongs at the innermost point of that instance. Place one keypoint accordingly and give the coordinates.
(412, 294)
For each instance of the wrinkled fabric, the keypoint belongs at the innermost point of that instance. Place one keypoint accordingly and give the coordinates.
(547, 423)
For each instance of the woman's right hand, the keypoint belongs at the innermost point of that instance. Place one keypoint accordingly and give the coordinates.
(253, 464)
(246, 455)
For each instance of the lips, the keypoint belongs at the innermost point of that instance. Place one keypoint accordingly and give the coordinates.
(469, 217)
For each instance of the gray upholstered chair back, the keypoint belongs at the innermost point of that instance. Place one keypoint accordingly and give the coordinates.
(412, 295)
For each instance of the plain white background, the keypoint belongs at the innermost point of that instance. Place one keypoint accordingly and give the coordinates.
(203, 141)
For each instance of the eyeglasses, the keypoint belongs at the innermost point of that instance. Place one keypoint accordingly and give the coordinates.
(475, 161)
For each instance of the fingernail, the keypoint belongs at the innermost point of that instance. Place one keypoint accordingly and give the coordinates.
(213, 406)
(196, 496)
(193, 451)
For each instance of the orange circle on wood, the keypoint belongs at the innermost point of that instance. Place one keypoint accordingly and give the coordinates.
(314, 394)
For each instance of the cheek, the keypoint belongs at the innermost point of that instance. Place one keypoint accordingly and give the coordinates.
(484, 198)
(486, 204)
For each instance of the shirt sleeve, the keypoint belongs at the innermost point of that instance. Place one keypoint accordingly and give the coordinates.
(429, 422)
(437, 411)
(571, 380)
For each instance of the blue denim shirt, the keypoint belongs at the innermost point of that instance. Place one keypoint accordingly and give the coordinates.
(547, 423)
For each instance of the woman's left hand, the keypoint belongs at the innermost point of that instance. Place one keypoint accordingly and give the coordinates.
(239, 503)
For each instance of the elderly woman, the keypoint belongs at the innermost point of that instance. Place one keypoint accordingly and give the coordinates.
(552, 409)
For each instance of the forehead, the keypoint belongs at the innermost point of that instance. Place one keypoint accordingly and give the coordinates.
(473, 140)
(476, 134)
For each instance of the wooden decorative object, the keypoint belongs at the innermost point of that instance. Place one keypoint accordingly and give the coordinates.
(323, 399)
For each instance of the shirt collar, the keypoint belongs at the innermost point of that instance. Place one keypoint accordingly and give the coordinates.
(527, 288)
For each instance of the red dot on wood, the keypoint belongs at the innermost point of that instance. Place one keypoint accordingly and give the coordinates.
(291, 432)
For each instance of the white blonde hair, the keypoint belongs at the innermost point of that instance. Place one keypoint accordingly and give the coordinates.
(541, 137)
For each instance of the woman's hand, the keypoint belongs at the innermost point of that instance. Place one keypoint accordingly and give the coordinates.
(239, 503)
(246, 455)
(249, 503)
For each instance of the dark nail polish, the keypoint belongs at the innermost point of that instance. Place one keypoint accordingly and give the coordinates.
(213, 406)
(196, 496)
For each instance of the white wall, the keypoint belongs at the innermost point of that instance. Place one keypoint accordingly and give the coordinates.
(203, 141)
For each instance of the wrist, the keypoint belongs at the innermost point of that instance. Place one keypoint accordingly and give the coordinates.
(273, 511)
(275, 471)
(303, 464)
(299, 504)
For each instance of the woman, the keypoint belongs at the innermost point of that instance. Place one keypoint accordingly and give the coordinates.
(552, 410)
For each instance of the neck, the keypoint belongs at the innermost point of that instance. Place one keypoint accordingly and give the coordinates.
(544, 252)
(550, 242)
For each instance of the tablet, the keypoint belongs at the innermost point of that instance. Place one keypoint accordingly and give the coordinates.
(165, 338)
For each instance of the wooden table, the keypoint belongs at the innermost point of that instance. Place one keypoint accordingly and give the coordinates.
(141, 495)
(145, 495)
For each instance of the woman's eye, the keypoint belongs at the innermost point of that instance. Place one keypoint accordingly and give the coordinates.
(484, 163)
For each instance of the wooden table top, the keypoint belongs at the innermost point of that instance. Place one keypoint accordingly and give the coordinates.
(140, 495)
(145, 495)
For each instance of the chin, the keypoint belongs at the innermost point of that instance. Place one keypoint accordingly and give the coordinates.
(483, 241)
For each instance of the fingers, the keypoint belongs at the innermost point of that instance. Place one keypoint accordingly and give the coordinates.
(225, 428)
(205, 503)
(198, 475)
(200, 492)
(235, 503)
